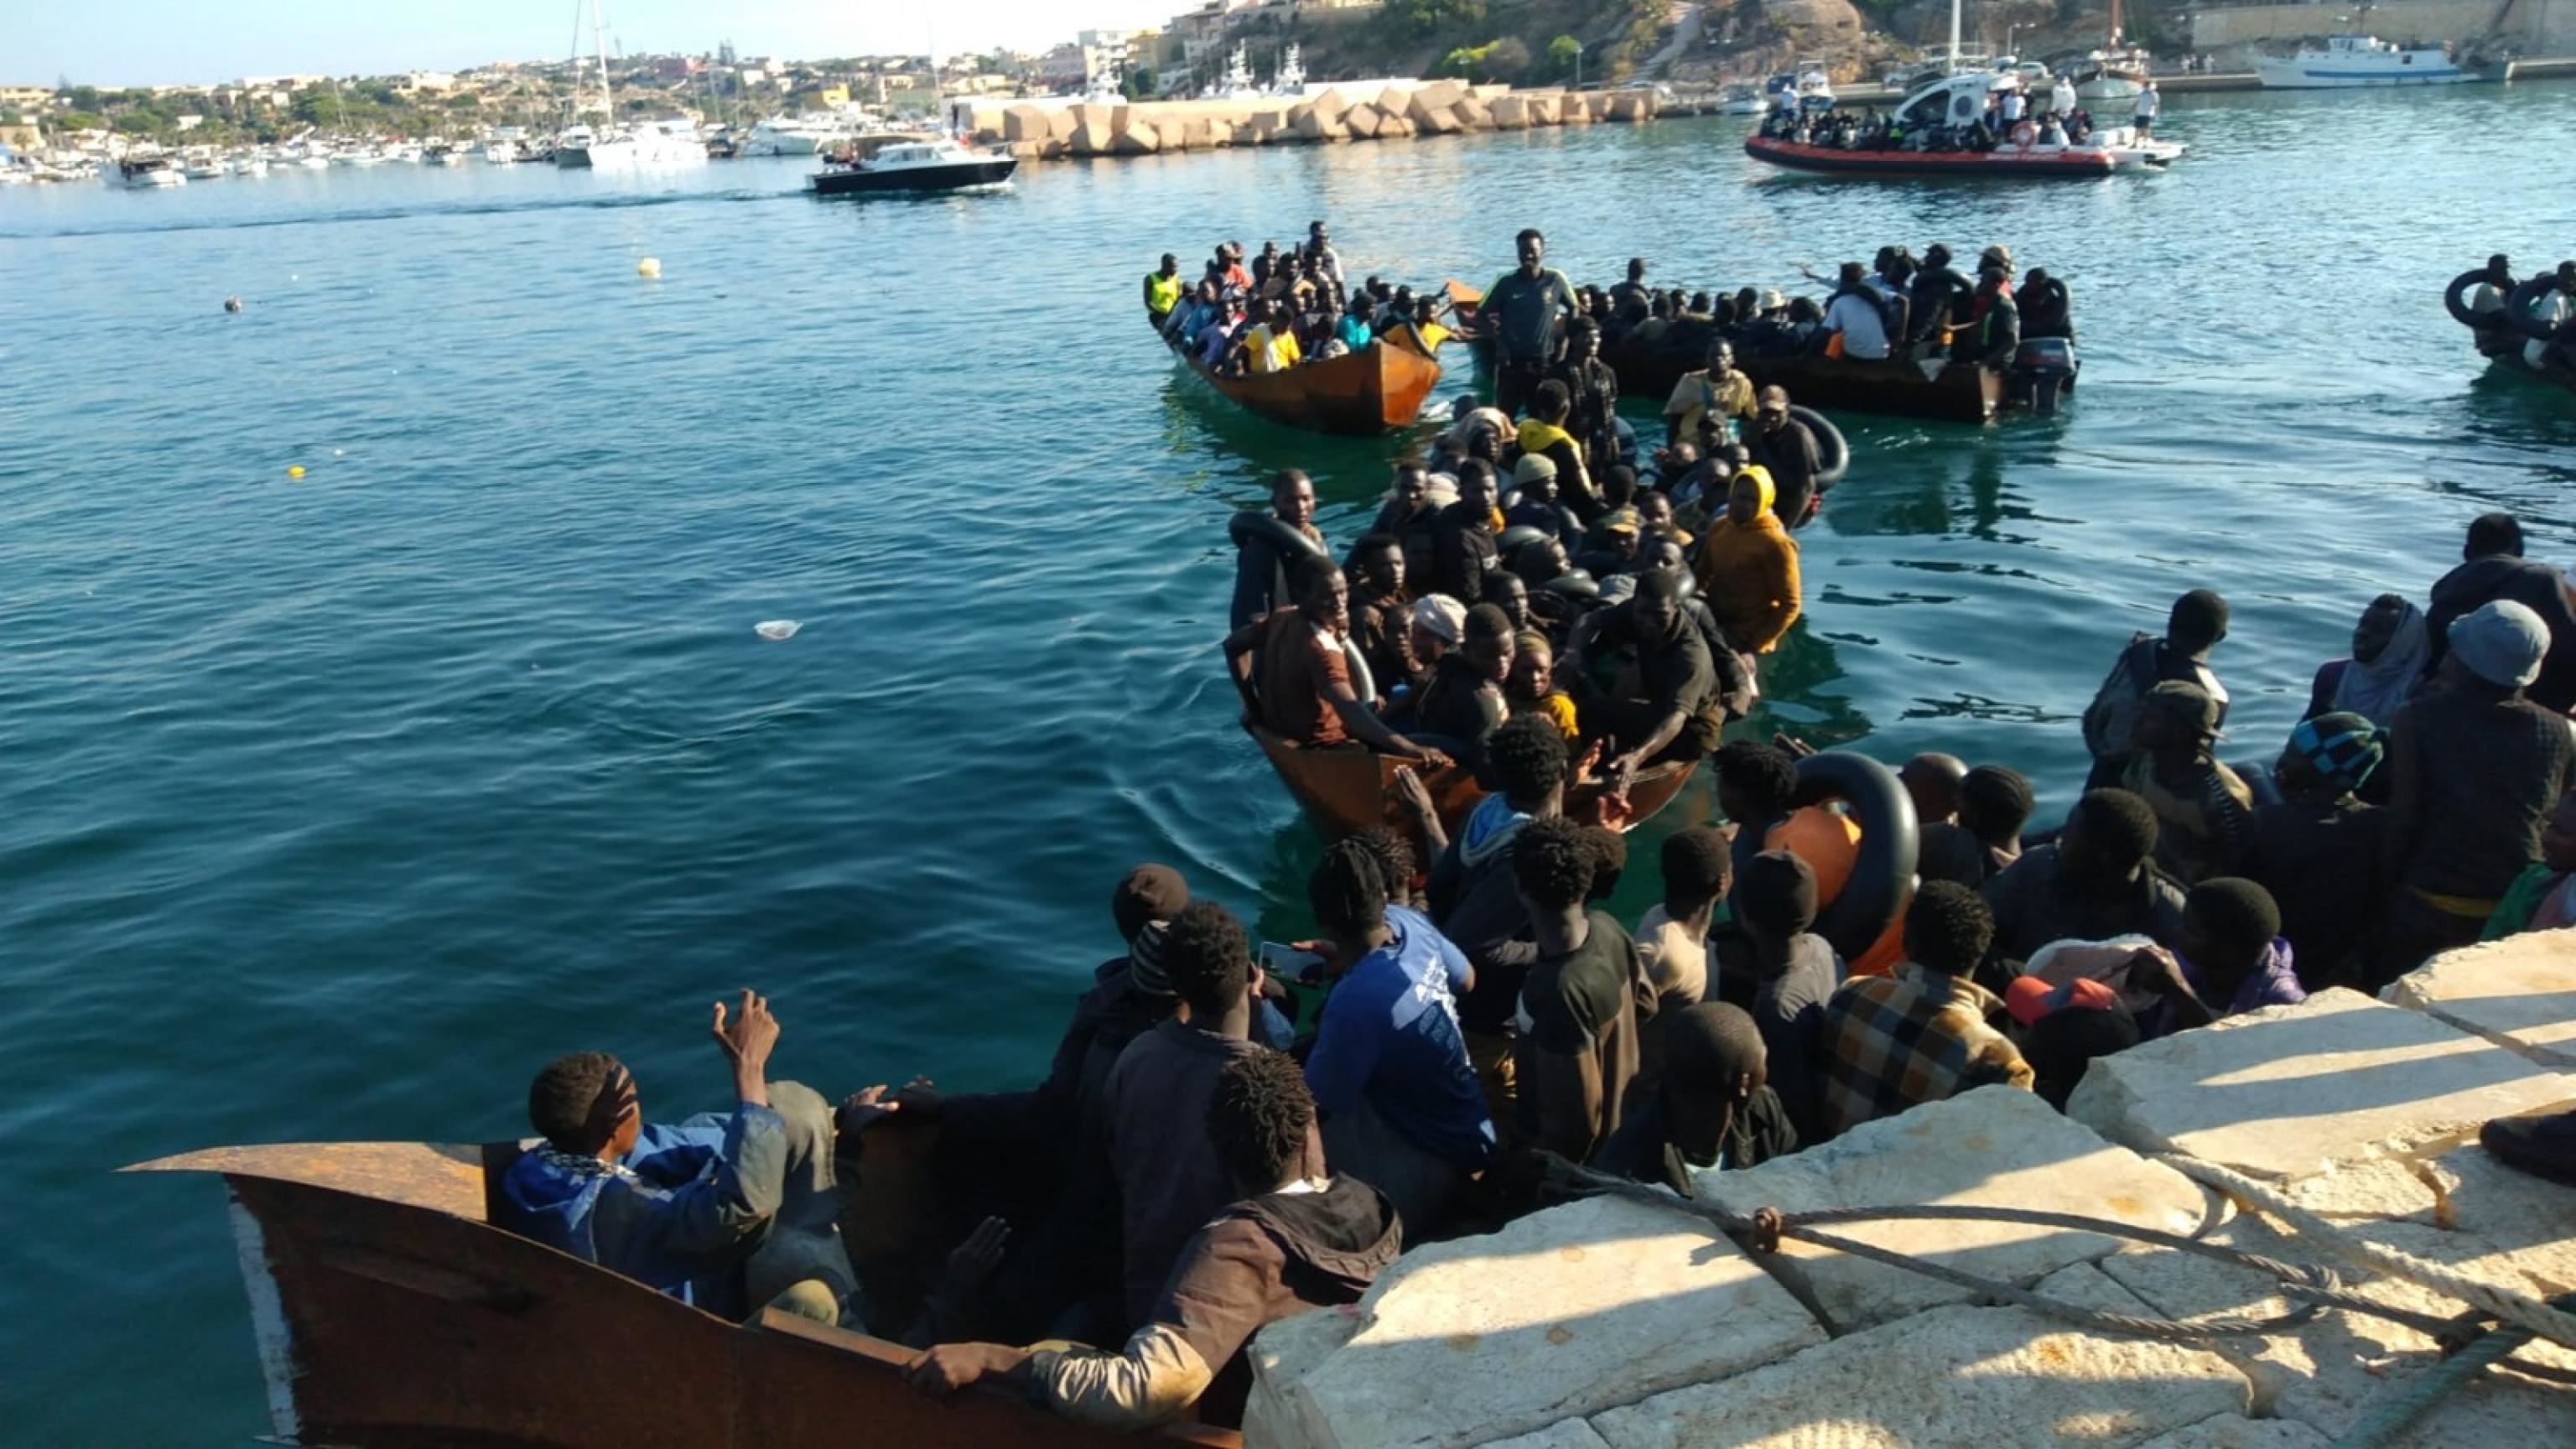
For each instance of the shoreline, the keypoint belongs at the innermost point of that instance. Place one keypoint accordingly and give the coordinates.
(1390, 110)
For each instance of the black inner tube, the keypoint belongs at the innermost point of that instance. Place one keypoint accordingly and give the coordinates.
(1833, 450)
(2517, 308)
(1882, 874)
(1253, 523)
(2453, 300)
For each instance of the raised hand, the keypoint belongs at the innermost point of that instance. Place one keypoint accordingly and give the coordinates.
(746, 1042)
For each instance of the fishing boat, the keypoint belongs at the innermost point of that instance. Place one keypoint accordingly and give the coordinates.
(1344, 791)
(1374, 390)
(389, 1311)
(938, 164)
(2356, 60)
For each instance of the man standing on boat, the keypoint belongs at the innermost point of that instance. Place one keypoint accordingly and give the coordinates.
(1162, 290)
(1319, 250)
(2149, 106)
(1524, 309)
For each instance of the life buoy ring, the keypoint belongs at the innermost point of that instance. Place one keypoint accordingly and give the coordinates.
(1363, 682)
(1833, 451)
(1253, 523)
(2023, 133)
(2517, 308)
(1864, 889)
(2453, 303)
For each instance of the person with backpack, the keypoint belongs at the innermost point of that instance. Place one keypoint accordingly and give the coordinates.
(2194, 627)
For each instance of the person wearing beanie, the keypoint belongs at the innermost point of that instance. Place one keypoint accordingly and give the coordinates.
(1795, 971)
(2195, 626)
(1537, 504)
(2477, 766)
(2098, 880)
(2204, 812)
(2233, 958)
(2304, 845)
(1923, 1034)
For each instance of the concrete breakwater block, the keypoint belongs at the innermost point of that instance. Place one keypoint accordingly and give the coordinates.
(2519, 992)
(2285, 1091)
(2330, 1373)
(2235, 1431)
(1982, 1376)
(1996, 1146)
(1560, 1315)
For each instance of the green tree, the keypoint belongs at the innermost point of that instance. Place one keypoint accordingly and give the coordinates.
(1139, 84)
(75, 121)
(1562, 53)
(81, 98)
(137, 123)
(1507, 59)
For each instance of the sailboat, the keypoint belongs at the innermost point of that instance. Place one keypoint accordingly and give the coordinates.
(2115, 72)
(614, 147)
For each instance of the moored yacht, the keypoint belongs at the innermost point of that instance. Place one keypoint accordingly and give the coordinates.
(144, 172)
(798, 135)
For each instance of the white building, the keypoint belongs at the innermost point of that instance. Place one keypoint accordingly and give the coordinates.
(425, 82)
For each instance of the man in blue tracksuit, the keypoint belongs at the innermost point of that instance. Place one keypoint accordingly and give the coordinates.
(727, 1211)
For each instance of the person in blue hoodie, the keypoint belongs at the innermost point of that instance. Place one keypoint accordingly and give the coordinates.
(727, 1211)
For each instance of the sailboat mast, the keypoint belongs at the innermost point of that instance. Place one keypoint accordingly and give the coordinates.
(2115, 24)
(599, 46)
(1954, 34)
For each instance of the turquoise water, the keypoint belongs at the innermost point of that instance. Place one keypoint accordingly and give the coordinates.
(336, 806)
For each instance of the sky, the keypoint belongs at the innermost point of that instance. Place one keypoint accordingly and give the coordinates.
(196, 42)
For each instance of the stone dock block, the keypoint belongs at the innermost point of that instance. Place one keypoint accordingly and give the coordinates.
(1563, 1434)
(1391, 127)
(2332, 1371)
(1087, 141)
(1473, 114)
(2519, 992)
(1138, 139)
(1362, 121)
(1952, 1376)
(1997, 1147)
(1437, 121)
(1026, 123)
(1560, 1315)
(2235, 1431)
(1062, 123)
(1510, 113)
(2283, 1092)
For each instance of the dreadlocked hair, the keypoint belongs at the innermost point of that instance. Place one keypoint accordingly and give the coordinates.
(1346, 890)
(1395, 863)
(1259, 1117)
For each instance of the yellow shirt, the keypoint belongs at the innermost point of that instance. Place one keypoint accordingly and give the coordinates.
(1694, 398)
(1273, 351)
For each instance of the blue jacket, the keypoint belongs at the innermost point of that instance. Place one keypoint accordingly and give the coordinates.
(678, 1215)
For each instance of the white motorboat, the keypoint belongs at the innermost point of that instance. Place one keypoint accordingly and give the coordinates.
(314, 161)
(799, 135)
(141, 173)
(441, 153)
(501, 153)
(251, 166)
(2363, 60)
(1743, 100)
(207, 170)
(358, 156)
(659, 143)
(940, 164)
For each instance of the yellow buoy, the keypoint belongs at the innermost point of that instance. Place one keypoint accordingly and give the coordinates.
(294, 470)
(649, 268)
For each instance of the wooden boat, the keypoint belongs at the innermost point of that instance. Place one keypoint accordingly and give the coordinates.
(1364, 393)
(1344, 791)
(391, 1314)
(1947, 390)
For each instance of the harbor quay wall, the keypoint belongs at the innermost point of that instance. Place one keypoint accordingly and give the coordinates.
(2536, 27)
(1358, 111)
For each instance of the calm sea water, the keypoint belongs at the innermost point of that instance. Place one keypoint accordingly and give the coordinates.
(336, 806)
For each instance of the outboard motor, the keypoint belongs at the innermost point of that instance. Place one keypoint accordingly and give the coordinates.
(2042, 368)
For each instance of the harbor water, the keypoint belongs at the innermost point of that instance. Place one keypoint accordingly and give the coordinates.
(337, 804)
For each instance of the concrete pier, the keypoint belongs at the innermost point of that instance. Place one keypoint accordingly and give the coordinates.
(1614, 1324)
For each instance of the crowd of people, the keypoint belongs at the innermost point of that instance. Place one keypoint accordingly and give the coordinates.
(1214, 1147)
(2019, 115)
(1284, 308)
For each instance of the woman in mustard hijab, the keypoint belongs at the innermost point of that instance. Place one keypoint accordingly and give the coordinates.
(1748, 566)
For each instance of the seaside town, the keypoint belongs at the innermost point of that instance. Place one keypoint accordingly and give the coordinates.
(1777, 757)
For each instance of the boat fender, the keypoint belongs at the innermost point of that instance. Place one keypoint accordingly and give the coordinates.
(1573, 584)
(1881, 882)
(1518, 536)
(2517, 308)
(1254, 523)
(1363, 683)
(2455, 299)
(1832, 449)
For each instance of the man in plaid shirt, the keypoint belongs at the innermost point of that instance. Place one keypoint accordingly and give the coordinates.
(1921, 1035)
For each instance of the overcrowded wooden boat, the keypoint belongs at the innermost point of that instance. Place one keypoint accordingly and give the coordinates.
(391, 1314)
(1958, 392)
(1377, 389)
(1347, 790)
